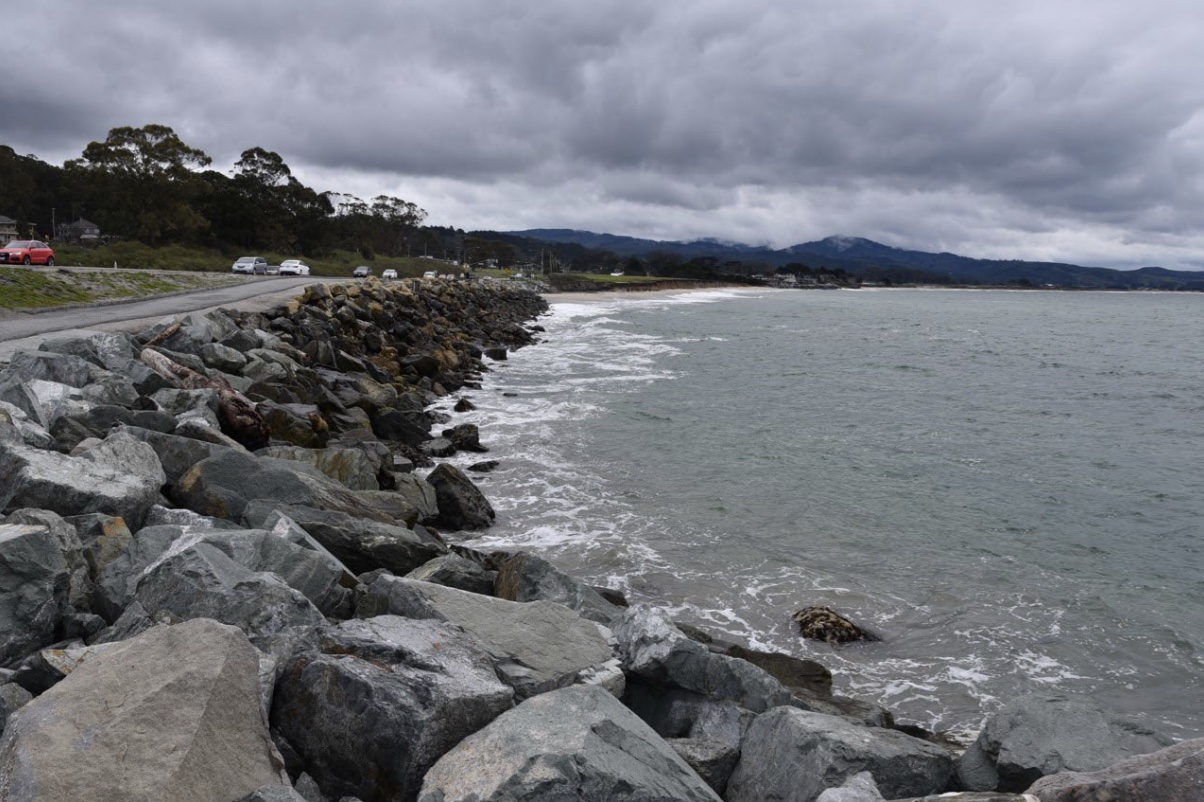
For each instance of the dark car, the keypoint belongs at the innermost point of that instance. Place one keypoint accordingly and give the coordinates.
(27, 252)
(363, 271)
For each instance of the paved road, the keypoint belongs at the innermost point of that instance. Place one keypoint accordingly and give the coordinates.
(24, 332)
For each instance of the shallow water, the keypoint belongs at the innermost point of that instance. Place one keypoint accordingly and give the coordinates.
(1005, 485)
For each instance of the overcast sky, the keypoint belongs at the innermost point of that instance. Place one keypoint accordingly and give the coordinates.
(1039, 129)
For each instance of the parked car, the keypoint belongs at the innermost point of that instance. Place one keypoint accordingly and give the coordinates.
(27, 252)
(430, 274)
(250, 264)
(390, 273)
(294, 267)
(363, 271)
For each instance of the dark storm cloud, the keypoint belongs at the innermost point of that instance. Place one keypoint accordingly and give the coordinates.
(1063, 130)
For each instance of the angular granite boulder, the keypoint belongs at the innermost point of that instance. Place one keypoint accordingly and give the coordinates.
(1041, 734)
(793, 754)
(223, 485)
(173, 714)
(526, 577)
(654, 649)
(122, 476)
(382, 700)
(360, 544)
(201, 581)
(34, 587)
(576, 743)
(536, 647)
(1174, 773)
(461, 504)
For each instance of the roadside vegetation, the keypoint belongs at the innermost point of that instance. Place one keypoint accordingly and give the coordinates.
(23, 288)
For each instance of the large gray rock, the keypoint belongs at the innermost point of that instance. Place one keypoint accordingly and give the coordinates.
(526, 577)
(382, 701)
(289, 553)
(122, 476)
(173, 714)
(536, 647)
(571, 744)
(117, 580)
(202, 581)
(362, 545)
(223, 485)
(461, 504)
(178, 453)
(28, 366)
(348, 466)
(112, 351)
(65, 535)
(420, 494)
(1041, 734)
(1175, 773)
(29, 431)
(654, 649)
(793, 754)
(34, 587)
(455, 571)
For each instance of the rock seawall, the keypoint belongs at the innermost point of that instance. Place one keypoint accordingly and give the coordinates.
(222, 578)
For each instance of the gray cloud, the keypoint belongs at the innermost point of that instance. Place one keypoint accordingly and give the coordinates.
(1067, 130)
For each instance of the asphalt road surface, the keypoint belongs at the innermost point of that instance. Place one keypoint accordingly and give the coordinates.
(19, 332)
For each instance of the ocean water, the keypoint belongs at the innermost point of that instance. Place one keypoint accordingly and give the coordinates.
(1005, 485)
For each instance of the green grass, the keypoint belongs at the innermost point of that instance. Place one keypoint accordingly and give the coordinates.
(29, 289)
(22, 288)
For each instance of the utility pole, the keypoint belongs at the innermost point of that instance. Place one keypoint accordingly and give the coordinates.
(53, 228)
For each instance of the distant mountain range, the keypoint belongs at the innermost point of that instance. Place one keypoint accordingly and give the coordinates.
(873, 260)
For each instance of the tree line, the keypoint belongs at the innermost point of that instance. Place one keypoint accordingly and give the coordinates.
(147, 184)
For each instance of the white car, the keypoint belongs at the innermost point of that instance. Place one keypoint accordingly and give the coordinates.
(430, 274)
(390, 273)
(294, 267)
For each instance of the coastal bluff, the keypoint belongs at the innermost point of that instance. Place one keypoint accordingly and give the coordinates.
(225, 577)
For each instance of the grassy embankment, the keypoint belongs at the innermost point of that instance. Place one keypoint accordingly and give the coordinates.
(23, 288)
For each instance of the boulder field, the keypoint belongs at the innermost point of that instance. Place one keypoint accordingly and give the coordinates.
(223, 577)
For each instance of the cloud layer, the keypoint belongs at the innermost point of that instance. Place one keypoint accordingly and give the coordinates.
(1069, 130)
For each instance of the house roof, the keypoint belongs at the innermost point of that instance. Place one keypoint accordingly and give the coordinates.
(84, 223)
(6, 221)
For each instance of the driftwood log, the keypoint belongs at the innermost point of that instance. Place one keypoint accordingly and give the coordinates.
(238, 416)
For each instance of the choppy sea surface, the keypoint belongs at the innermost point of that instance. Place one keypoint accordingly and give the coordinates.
(1005, 485)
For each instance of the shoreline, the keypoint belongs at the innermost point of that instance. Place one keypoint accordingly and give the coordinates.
(353, 586)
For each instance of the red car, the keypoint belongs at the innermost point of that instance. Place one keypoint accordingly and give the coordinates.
(26, 252)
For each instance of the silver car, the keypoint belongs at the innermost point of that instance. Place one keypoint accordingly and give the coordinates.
(251, 264)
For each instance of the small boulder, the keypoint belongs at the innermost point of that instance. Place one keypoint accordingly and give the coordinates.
(454, 571)
(461, 503)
